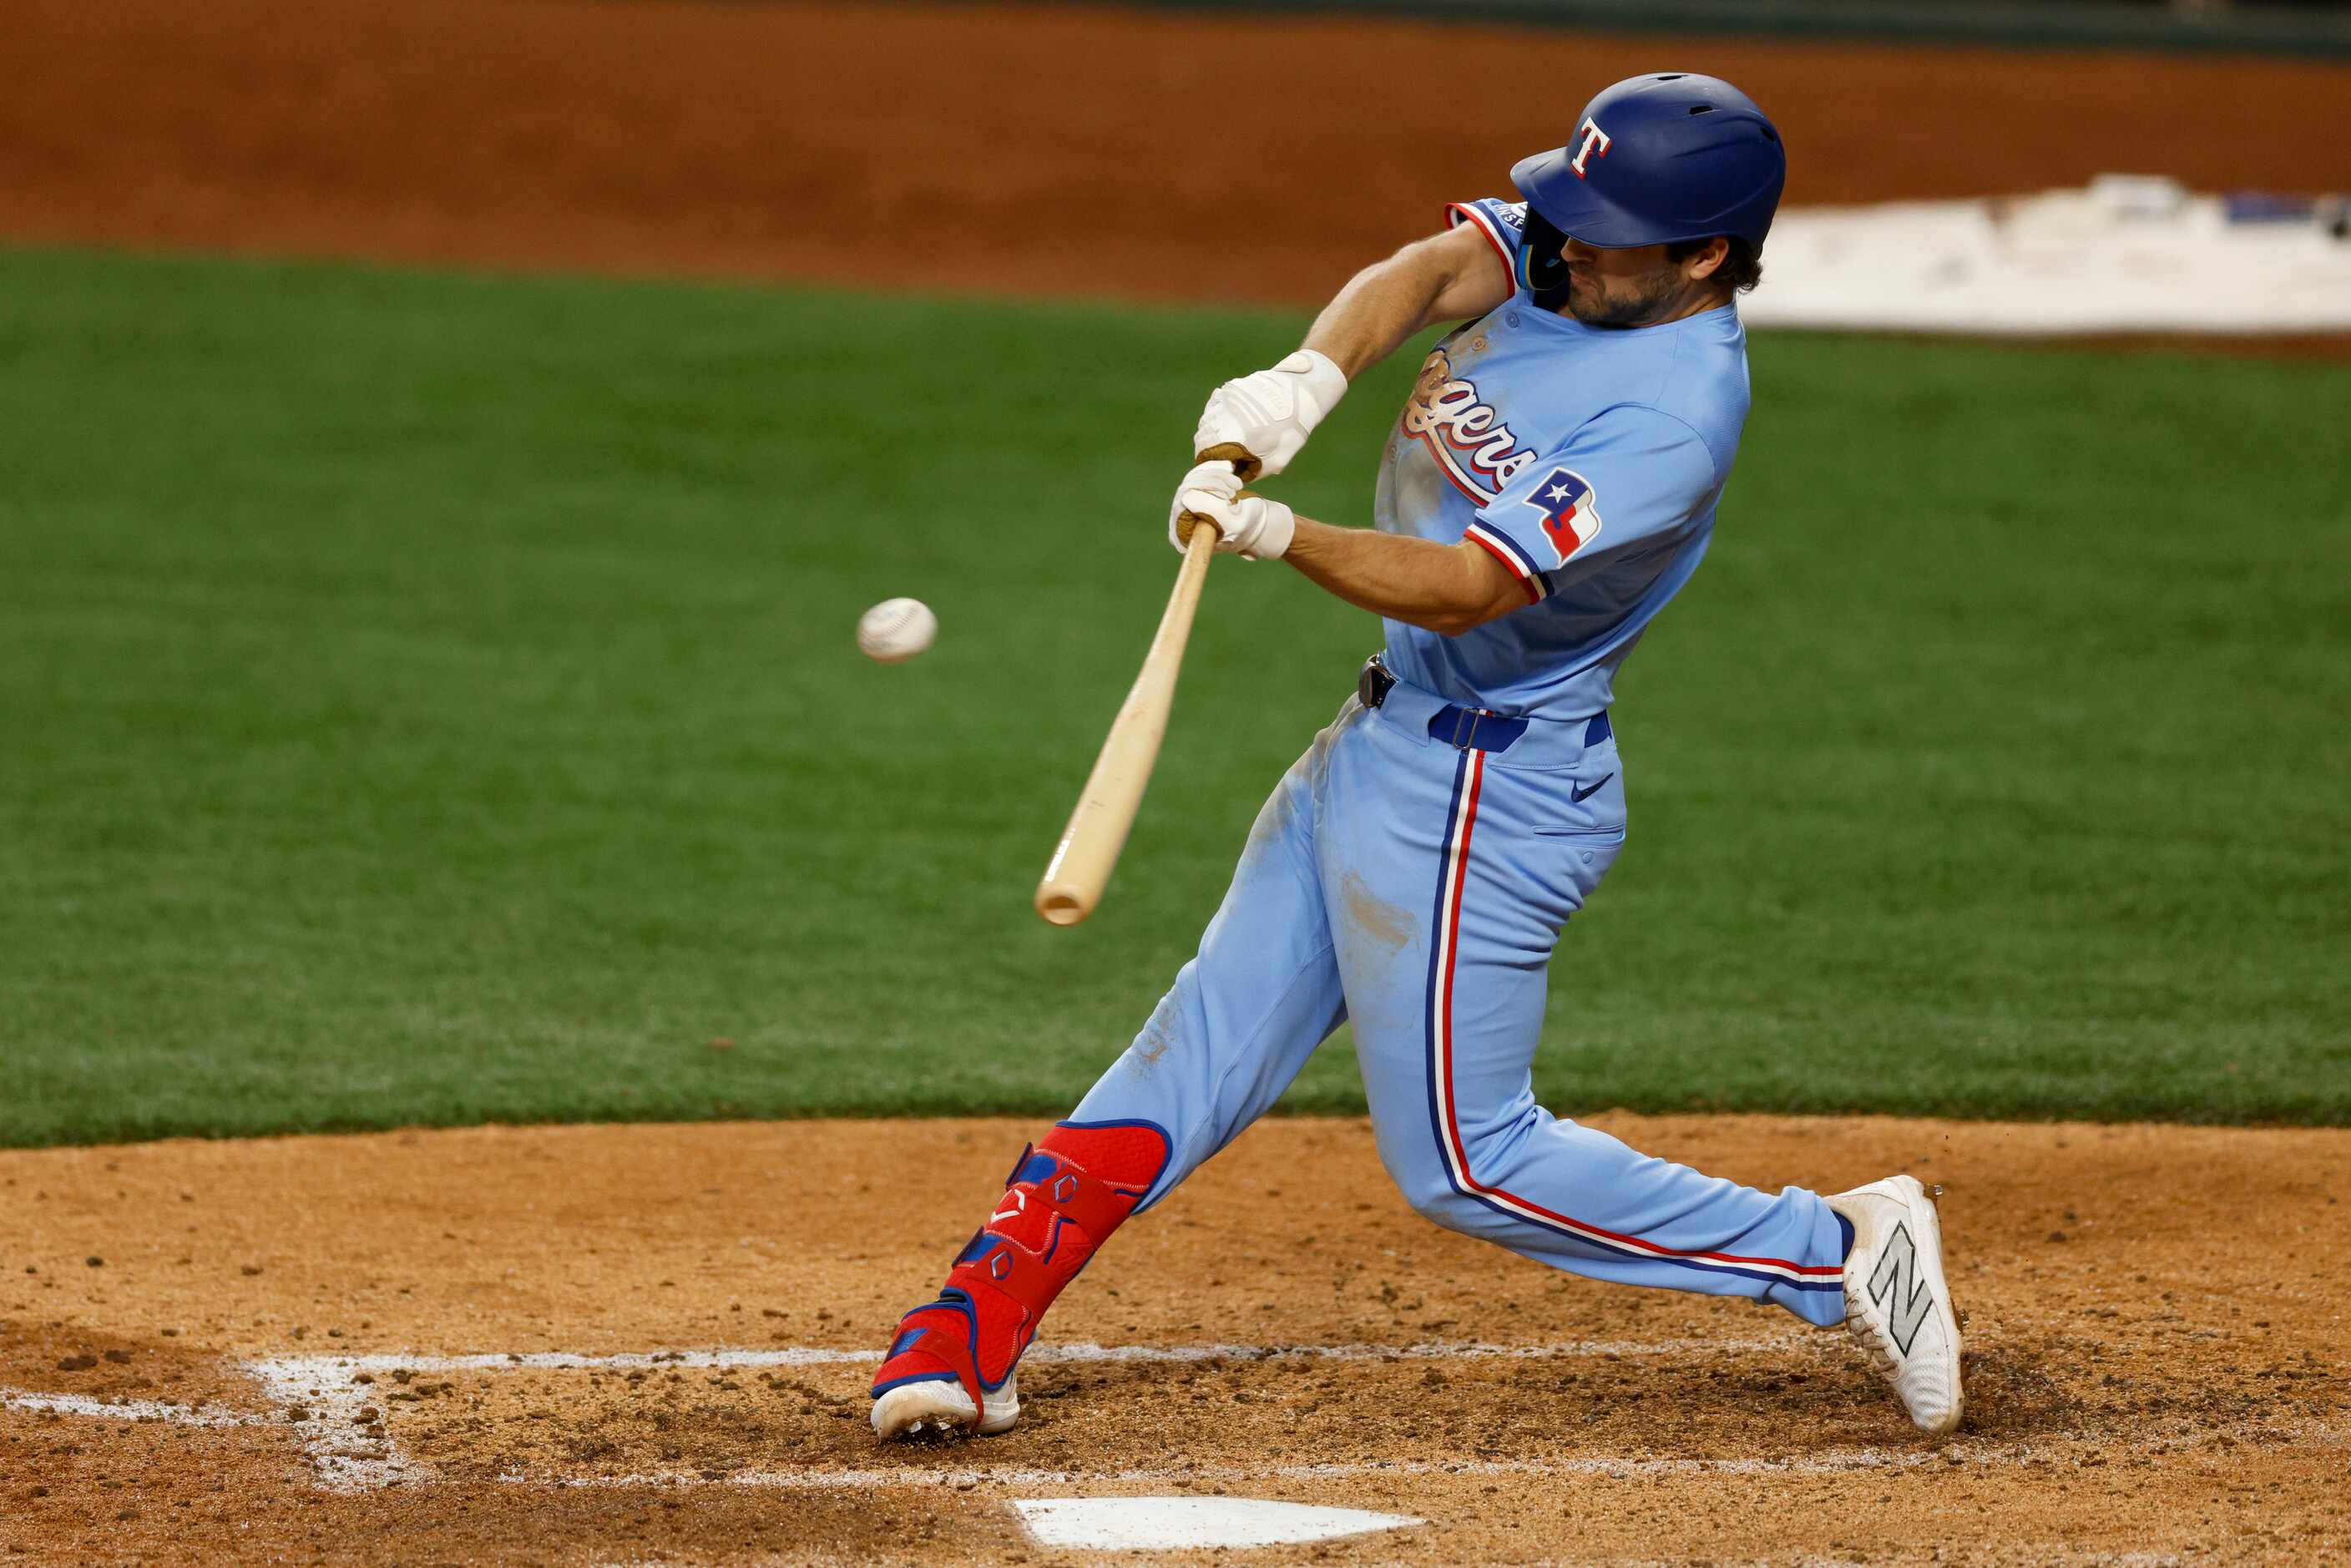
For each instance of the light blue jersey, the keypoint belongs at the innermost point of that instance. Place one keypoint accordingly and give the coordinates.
(1587, 460)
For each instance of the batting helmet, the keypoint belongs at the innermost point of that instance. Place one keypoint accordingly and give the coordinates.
(1655, 158)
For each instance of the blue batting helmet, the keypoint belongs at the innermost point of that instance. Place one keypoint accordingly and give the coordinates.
(1657, 159)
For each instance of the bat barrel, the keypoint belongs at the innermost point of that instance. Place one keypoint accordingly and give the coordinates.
(1081, 863)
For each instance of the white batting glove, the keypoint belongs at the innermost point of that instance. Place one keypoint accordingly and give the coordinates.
(1206, 486)
(1250, 527)
(1273, 411)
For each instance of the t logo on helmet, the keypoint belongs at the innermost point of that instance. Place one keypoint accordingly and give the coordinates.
(1596, 143)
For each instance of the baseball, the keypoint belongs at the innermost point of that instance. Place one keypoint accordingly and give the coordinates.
(896, 629)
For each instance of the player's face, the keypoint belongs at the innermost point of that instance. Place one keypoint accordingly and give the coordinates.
(1629, 287)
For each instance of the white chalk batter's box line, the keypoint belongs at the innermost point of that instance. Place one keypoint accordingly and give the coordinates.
(311, 1372)
(1077, 1351)
(325, 1390)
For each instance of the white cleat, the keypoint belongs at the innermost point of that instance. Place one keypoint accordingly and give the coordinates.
(940, 1406)
(1896, 1301)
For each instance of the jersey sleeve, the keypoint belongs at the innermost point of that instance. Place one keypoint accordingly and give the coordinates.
(1628, 481)
(1504, 224)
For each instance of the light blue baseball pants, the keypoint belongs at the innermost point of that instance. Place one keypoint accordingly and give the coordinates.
(1419, 889)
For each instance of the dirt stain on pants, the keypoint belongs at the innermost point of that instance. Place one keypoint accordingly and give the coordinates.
(1374, 917)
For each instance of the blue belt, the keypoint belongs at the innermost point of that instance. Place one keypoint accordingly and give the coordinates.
(1464, 728)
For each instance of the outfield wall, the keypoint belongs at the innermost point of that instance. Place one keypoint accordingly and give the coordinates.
(2312, 27)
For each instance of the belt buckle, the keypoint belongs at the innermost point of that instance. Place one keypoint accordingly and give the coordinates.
(1465, 719)
(1373, 681)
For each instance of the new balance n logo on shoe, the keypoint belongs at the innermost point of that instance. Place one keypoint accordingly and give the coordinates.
(1896, 1277)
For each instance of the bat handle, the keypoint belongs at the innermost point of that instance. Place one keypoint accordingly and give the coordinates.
(1245, 466)
(1243, 460)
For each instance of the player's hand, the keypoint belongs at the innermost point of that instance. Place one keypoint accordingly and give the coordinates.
(1273, 411)
(1248, 525)
(1208, 485)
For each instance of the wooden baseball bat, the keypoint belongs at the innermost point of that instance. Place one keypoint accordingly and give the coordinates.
(1081, 863)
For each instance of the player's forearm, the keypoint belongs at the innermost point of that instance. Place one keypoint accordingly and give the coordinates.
(1451, 277)
(1437, 586)
(1379, 310)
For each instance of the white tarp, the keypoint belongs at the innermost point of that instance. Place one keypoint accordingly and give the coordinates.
(2130, 254)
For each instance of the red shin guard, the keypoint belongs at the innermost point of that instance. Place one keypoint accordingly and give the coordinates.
(1060, 1202)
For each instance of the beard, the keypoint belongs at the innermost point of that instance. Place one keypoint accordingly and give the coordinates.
(1629, 302)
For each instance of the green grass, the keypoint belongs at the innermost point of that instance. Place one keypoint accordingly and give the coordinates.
(431, 700)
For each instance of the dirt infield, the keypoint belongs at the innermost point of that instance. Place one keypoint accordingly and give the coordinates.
(1088, 152)
(591, 1344)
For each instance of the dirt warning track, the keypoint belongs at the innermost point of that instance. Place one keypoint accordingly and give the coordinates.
(1055, 151)
(591, 1344)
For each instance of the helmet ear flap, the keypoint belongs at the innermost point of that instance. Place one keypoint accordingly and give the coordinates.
(1542, 265)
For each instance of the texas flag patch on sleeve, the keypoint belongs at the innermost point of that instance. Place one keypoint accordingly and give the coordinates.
(1570, 519)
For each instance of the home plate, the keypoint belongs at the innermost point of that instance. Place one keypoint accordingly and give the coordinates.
(1146, 1524)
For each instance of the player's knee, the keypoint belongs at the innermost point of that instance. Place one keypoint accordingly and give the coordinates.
(1430, 1191)
(1423, 1173)
(1442, 1203)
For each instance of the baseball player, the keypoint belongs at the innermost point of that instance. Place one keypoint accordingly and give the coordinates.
(1549, 486)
